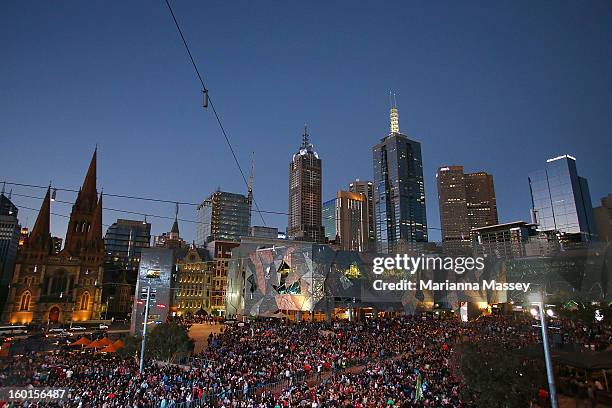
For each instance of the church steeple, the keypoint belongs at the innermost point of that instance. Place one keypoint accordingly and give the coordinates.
(94, 236)
(89, 184)
(83, 212)
(40, 237)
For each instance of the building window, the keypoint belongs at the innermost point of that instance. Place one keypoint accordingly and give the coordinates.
(25, 302)
(85, 301)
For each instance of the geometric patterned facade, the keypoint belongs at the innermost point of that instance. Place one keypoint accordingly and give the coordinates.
(267, 278)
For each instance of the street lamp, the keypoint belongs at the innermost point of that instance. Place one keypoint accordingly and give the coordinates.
(536, 300)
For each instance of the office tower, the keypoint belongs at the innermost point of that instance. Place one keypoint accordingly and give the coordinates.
(155, 282)
(480, 199)
(194, 270)
(349, 221)
(467, 201)
(603, 219)
(223, 216)
(399, 190)
(365, 187)
(48, 288)
(9, 240)
(328, 217)
(123, 242)
(305, 205)
(561, 200)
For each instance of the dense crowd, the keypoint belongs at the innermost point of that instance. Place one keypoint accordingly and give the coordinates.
(369, 363)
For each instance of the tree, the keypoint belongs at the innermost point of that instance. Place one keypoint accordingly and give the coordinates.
(132, 346)
(498, 378)
(167, 341)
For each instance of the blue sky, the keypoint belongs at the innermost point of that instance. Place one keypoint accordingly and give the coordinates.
(494, 86)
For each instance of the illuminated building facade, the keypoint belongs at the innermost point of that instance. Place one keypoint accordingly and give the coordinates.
(305, 197)
(194, 271)
(399, 190)
(467, 201)
(366, 188)
(220, 252)
(223, 216)
(156, 273)
(56, 288)
(346, 221)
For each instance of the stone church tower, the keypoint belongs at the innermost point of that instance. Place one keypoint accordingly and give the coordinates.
(49, 288)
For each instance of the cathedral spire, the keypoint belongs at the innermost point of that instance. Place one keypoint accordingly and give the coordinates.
(89, 184)
(94, 235)
(393, 114)
(40, 236)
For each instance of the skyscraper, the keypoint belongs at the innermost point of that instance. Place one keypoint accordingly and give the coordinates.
(561, 200)
(305, 205)
(365, 187)
(123, 243)
(399, 190)
(347, 219)
(9, 240)
(223, 216)
(467, 201)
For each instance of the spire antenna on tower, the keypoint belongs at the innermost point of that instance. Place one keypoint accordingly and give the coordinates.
(305, 137)
(393, 115)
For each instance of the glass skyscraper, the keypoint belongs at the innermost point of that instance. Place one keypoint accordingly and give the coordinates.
(329, 219)
(399, 190)
(123, 243)
(223, 217)
(561, 200)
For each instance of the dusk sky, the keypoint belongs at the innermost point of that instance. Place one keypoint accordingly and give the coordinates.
(493, 86)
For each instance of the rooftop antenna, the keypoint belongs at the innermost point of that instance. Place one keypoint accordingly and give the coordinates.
(393, 114)
(305, 137)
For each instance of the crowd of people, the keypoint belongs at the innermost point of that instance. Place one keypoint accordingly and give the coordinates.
(369, 363)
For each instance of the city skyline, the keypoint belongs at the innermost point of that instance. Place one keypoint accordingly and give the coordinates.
(521, 110)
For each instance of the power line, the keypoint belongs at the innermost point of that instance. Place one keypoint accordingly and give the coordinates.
(152, 215)
(212, 106)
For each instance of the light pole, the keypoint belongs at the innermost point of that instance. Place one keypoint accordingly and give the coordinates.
(144, 330)
(537, 300)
